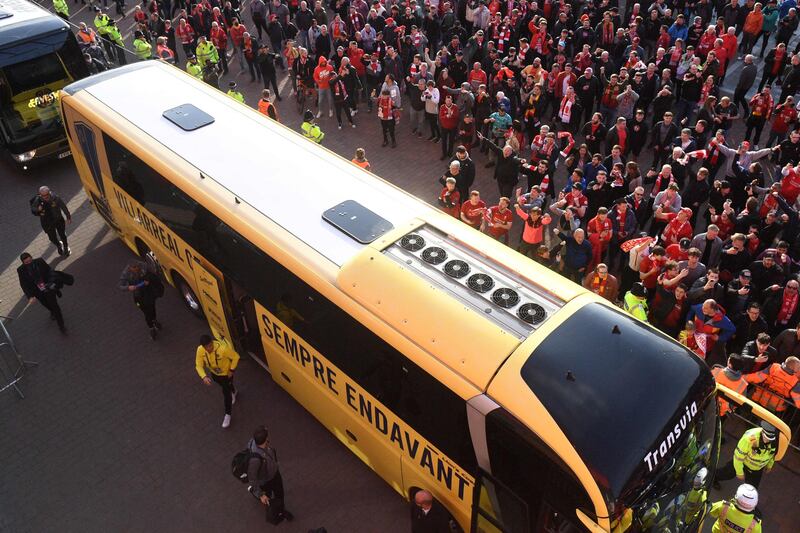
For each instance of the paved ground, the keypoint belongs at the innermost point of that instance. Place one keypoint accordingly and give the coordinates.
(118, 434)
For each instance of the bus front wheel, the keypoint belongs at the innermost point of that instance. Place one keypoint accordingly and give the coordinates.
(190, 299)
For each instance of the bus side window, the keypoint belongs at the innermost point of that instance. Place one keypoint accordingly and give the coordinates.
(521, 461)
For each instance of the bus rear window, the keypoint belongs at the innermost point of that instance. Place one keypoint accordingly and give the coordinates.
(34, 73)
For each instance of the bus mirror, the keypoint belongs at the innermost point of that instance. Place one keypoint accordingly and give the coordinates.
(590, 524)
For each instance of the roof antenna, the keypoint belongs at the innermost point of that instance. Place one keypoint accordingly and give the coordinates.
(615, 330)
(570, 376)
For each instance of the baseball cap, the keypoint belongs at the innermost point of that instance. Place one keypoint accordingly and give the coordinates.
(746, 274)
(685, 243)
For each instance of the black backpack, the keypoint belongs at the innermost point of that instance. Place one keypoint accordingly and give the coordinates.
(241, 462)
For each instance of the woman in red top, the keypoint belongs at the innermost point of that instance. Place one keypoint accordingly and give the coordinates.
(533, 231)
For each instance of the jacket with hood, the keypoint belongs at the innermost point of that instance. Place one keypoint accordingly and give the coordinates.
(322, 74)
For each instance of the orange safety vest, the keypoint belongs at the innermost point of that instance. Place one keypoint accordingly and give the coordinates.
(86, 36)
(722, 378)
(775, 390)
(165, 53)
(264, 106)
(362, 164)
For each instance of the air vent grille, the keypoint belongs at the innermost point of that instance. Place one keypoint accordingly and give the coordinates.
(499, 294)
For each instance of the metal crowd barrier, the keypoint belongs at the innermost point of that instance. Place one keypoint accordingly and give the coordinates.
(789, 413)
(12, 365)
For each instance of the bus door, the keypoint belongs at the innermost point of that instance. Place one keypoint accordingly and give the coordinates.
(244, 322)
(495, 507)
(88, 153)
(209, 292)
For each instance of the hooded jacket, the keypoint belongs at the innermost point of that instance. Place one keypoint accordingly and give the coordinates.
(322, 74)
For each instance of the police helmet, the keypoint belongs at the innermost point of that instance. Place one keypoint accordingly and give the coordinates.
(138, 34)
(639, 290)
(700, 478)
(308, 115)
(232, 85)
(768, 431)
(746, 497)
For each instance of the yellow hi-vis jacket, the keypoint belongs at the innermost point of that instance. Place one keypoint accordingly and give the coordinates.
(221, 360)
(312, 131)
(753, 453)
(236, 95)
(143, 49)
(100, 22)
(195, 70)
(636, 306)
(206, 53)
(61, 7)
(731, 520)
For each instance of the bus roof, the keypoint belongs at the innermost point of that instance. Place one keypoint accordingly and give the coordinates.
(263, 171)
(292, 182)
(21, 21)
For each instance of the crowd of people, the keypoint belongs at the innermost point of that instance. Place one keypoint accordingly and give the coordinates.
(604, 126)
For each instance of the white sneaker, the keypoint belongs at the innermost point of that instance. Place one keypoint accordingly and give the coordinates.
(319, 114)
(354, 112)
(353, 125)
(330, 114)
(226, 422)
(233, 398)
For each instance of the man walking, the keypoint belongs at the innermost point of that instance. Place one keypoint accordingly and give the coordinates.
(146, 286)
(36, 281)
(264, 476)
(49, 208)
(217, 361)
(747, 78)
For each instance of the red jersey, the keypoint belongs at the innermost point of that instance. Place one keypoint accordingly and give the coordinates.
(495, 216)
(675, 253)
(784, 115)
(450, 201)
(676, 230)
(761, 105)
(647, 265)
(473, 212)
(237, 34)
(790, 186)
(448, 116)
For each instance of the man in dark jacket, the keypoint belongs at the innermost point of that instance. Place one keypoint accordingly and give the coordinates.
(758, 354)
(506, 171)
(747, 77)
(264, 476)
(781, 307)
(791, 82)
(266, 63)
(146, 287)
(661, 140)
(577, 256)
(36, 281)
(428, 515)
(749, 325)
(49, 208)
(587, 89)
(467, 173)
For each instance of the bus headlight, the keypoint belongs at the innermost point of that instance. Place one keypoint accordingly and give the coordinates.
(24, 157)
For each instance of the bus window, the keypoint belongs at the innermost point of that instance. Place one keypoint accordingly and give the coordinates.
(521, 461)
(496, 508)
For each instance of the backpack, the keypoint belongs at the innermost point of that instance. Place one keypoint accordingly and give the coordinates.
(240, 463)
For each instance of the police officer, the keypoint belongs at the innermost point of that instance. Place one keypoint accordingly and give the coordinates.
(193, 67)
(754, 453)
(216, 361)
(62, 9)
(141, 47)
(310, 128)
(101, 22)
(635, 301)
(118, 45)
(737, 515)
(49, 208)
(234, 93)
(206, 52)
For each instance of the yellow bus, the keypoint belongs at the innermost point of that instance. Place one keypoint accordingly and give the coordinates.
(443, 359)
(39, 55)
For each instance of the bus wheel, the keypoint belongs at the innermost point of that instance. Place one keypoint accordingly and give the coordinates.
(190, 299)
(147, 255)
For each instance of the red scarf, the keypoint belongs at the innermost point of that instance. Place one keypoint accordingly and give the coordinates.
(599, 285)
(788, 306)
(565, 111)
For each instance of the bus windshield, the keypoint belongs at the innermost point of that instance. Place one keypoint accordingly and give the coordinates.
(29, 92)
(638, 406)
